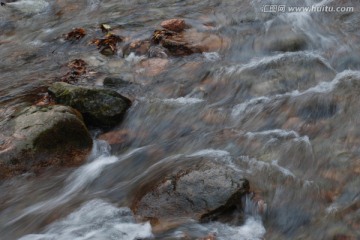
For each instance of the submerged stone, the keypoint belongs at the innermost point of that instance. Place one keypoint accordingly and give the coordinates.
(115, 82)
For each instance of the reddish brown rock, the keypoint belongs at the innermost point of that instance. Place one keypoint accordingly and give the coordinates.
(189, 42)
(116, 137)
(153, 66)
(139, 47)
(176, 25)
(206, 42)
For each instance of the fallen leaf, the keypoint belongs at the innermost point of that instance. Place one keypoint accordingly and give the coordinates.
(75, 34)
(108, 45)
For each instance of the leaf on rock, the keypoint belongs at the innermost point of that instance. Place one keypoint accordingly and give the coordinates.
(45, 100)
(108, 45)
(76, 34)
(105, 27)
(77, 69)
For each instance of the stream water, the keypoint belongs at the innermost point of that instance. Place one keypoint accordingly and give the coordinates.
(279, 101)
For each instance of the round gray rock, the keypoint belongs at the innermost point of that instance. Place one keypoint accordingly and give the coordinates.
(44, 136)
(204, 191)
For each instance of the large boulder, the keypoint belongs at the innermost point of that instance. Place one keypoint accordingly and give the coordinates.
(204, 190)
(100, 107)
(41, 136)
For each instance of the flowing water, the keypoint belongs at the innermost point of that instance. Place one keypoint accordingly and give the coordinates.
(278, 101)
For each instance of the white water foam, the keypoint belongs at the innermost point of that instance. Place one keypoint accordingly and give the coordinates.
(217, 155)
(255, 165)
(29, 6)
(252, 229)
(279, 58)
(279, 133)
(211, 56)
(176, 102)
(96, 219)
(322, 87)
(244, 107)
(325, 87)
(79, 179)
(132, 58)
(210, 153)
(182, 101)
(283, 170)
(76, 182)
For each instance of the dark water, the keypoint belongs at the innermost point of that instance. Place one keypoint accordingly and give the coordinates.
(277, 99)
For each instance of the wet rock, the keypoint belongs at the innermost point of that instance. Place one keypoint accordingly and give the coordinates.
(123, 138)
(176, 25)
(205, 191)
(154, 66)
(188, 42)
(116, 137)
(205, 41)
(100, 107)
(158, 52)
(177, 46)
(115, 82)
(44, 136)
(138, 47)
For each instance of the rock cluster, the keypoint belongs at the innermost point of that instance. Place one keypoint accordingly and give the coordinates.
(56, 135)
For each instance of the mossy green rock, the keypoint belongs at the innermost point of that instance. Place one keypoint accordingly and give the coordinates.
(44, 136)
(99, 107)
